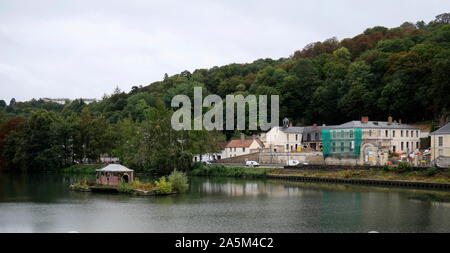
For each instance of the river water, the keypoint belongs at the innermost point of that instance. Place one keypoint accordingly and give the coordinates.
(43, 203)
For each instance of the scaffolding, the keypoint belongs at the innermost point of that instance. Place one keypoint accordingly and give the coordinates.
(342, 143)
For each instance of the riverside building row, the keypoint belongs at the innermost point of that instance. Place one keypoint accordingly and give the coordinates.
(358, 142)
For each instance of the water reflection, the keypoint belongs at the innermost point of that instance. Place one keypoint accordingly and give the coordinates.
(43, 203)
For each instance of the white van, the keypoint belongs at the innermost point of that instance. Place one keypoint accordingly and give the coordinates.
(293, 163)
(251, 163)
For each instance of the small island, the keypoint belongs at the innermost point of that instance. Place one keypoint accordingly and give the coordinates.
(118, 178)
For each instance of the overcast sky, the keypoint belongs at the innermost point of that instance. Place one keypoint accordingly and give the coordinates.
(86, 48)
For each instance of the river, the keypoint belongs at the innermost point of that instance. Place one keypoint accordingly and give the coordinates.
(43, 203)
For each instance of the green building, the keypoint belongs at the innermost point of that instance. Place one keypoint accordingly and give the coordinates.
(342, 143)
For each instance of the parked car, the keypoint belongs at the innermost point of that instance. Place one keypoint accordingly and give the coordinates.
(296, 163)
(251, 163)
(293, 163)
(206, 162)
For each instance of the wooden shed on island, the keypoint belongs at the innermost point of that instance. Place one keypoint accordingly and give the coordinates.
(113, 174)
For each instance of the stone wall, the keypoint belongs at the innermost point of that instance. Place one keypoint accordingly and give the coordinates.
(279, 158)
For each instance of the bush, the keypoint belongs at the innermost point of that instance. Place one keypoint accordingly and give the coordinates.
(403, 166)
(124, 187)
(387, 168)
(432, 171)
(163, 187)
(223, 171)
(179, 181)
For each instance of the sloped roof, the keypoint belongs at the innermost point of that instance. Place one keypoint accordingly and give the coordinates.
(443, 130)
(243, 144)
(311, 129)
(115, 168)
(374, 124)
(292, 130)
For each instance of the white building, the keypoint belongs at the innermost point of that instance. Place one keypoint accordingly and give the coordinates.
(242, 147)
(282, 139)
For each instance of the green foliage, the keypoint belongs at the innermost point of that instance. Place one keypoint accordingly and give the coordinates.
(223, 171)
(432, 171)
(163, 186)
(387, 168)
(82, 169)
(403, 167)
(402, 72)
(179, 181)
(125, 187)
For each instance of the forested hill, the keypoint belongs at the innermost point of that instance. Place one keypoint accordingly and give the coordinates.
(402, 71)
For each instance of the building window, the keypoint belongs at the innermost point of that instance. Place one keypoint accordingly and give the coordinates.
(342, 147)
(417, 134)
(386, 132)
(351, 134)
(287, 147)
(440, 141)
(417, 145)
(393, 148)
(393, 133)
(407, 133)
(316, 136)
(401, 133)
(407, 145)
(243, 149)
(370, 132)
(401, 146)
(296, 137)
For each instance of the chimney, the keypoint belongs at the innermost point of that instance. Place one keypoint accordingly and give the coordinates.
(364, 119)
(400, 121)
(390, 120)
(314, 125)
(242, 137)
(290, 124)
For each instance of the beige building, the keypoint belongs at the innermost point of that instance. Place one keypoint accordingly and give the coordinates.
(283, 139)
(242, 147)
(440, 146)
(377, 139)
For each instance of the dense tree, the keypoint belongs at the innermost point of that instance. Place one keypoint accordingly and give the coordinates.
(401, 71)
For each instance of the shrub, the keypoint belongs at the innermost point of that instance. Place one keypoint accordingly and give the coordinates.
(238, 171)
(387, 168)
(163, 187)
(179, 181)
(124, 187)
(432, 171)
(403, 166)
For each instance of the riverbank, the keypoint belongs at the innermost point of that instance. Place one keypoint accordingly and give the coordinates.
(232, 171)
(391, 176)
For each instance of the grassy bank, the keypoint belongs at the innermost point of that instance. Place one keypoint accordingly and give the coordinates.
(427, 175)
(223, 171)
(398, 173)
(82, 169)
